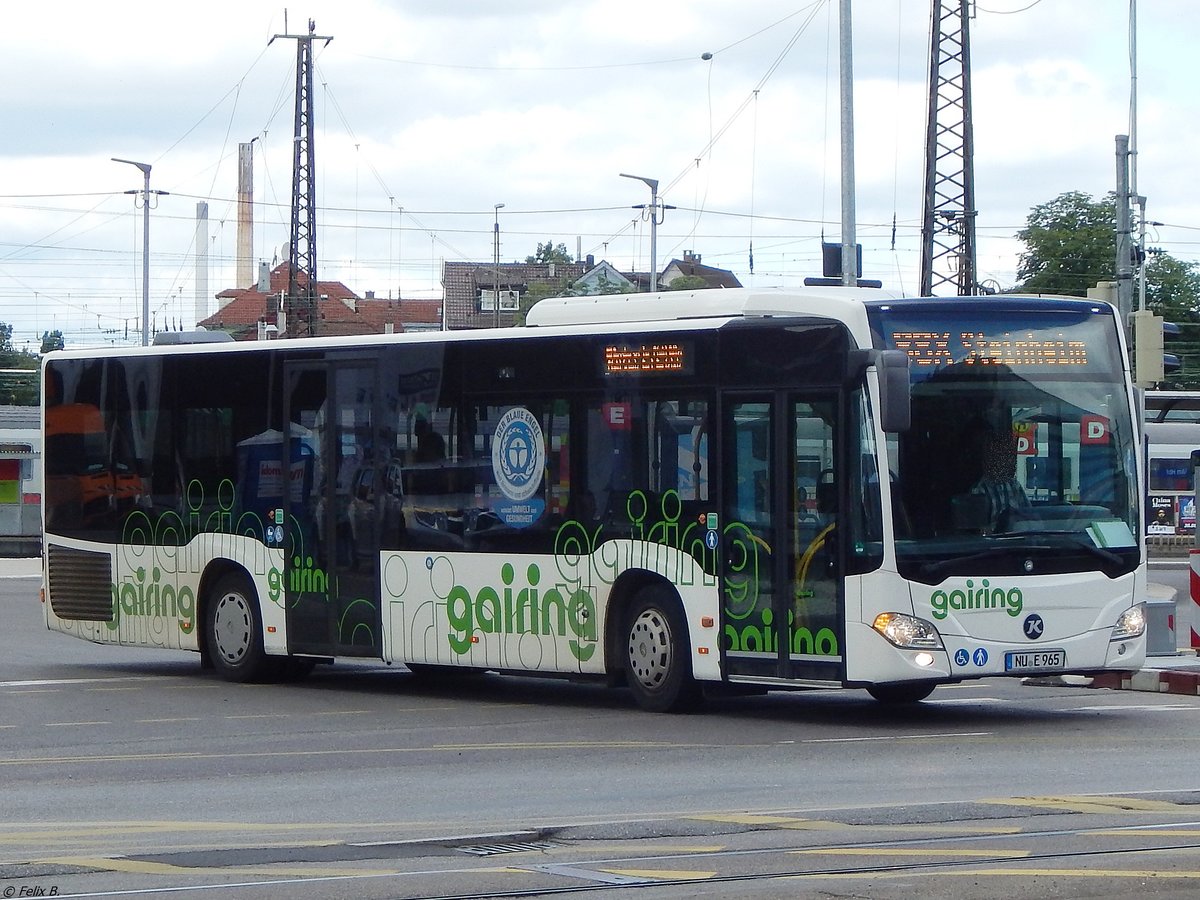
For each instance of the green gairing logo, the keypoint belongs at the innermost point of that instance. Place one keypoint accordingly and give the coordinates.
(764, 637)
(975, 598)
(523, 610)
(138, 596)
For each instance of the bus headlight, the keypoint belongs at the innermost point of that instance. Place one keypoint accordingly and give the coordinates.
(908, 631)
(1130, 624)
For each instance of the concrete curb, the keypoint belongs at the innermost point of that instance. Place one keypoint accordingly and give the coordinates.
(1162, 675)
(1155, 681)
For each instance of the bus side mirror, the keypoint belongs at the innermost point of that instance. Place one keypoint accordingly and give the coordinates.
(895, 391)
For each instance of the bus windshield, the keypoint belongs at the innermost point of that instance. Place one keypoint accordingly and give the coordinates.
(1021, 454)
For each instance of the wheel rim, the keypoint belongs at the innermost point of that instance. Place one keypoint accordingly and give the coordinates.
(233, 628)
(651, 650)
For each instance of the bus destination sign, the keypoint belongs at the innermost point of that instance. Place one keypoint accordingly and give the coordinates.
(658, 358)
(1014, 350)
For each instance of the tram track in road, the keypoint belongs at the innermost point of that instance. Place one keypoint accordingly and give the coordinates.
(635, 875)
(694, 859)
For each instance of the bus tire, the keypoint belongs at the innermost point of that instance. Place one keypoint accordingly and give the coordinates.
(657, 667)
(901, 692)
(233, 631)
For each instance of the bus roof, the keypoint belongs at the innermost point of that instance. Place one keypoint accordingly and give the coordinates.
(604, 309)
(673, 310)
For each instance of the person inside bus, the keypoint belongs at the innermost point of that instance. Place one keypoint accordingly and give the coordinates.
(998, 484)
(431, 446)
(428, 477)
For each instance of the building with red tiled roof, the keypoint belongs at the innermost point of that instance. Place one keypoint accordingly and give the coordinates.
(691, 266)
(470, 287)
(339, 310)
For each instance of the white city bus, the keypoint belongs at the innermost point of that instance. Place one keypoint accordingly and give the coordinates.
(739, 490)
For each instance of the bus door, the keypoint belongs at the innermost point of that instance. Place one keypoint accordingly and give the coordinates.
(331, 510)
(782, 592)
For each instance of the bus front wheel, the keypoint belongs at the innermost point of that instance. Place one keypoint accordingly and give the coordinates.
(234, 632)
(657, 666)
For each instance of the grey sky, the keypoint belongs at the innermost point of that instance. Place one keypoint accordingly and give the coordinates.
(429, 114)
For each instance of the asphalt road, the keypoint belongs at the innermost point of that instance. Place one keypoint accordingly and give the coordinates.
(126, 771)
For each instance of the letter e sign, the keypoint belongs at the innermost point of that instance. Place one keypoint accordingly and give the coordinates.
(619, 416)
(1093, 430)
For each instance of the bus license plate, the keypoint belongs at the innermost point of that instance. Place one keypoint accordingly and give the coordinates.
(1035, 659)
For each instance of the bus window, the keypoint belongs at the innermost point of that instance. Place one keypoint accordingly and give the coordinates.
(647, 460)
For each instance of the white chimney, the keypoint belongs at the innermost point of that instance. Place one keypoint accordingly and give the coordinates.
(201, 261)
(245, 214)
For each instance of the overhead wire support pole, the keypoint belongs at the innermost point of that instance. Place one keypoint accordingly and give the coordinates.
(655, 221)
(300, 304)
(849, 239)
(144, 168)
(948, 254)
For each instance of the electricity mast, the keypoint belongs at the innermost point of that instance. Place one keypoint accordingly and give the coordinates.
(948, 225)
(300, 304)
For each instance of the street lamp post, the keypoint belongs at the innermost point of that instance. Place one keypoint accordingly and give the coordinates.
(652, 183)
(496, 258)
(145, 168)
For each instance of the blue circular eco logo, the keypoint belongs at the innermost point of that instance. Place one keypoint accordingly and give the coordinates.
(518, 454)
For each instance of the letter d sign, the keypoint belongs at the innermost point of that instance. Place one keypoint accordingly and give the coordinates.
(1093, 430)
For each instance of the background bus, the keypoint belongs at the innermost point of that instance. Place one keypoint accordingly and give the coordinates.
(20, 481)
(1172, 425)
(740, 489)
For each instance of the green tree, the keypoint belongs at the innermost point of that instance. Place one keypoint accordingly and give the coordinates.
(1070, 244)
(19, 380)
(688, 283)
(548, 253)
(52, 340)
(1173, 292)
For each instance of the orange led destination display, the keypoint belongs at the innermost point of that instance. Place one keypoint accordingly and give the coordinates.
(1015, 350)
(661, 358)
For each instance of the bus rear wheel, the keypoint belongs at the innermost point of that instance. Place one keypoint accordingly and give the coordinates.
(901, 693)
(233, 631)
(657, 667)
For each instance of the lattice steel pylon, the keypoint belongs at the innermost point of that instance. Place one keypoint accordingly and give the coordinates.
(948, 224)
(300, 303)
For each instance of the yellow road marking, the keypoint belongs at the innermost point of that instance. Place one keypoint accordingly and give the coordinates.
(661, 874)
(906, 851)
(1013, 872)
(163, 721)
(1093, 804)
(1148, 832)
(1078, 873)
(144, 867)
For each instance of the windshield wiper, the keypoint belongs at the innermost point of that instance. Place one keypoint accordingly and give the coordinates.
(943, 565)
(1076, 542)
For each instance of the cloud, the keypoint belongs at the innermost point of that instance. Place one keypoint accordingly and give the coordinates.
(426, 115)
